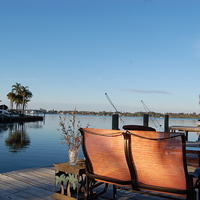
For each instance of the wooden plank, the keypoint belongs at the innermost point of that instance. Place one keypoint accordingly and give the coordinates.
(46, 175)
(12, 183)
(15, 189)
(3, 185)
(12, 197)
(46, 186)
(10, 188)
(28, 195)
(33, 180)
(38, 192)
(33, 175)
(48, 170)
(4, 192)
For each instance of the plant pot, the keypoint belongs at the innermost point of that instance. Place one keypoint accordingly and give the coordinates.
(73, 156)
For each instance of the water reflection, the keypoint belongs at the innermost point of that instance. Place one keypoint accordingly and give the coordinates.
(38, 143)
(3, 128)
(17, 139)
(35, 125)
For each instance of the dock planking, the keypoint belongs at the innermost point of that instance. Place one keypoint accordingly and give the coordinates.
(38, 184)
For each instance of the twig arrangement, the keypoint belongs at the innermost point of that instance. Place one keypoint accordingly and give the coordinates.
(71, 134)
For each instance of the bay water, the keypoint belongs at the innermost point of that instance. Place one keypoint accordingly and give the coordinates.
(38, 144)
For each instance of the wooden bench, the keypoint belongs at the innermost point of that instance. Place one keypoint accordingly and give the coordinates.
(140, 161)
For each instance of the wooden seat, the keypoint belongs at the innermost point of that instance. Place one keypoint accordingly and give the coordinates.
(159, 161)
(105, 160)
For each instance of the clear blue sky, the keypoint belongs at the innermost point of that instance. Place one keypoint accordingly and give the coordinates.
(71, 52)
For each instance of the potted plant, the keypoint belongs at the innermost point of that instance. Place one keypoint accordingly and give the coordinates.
(71, 136)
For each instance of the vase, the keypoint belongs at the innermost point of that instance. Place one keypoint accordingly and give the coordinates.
(73, 156)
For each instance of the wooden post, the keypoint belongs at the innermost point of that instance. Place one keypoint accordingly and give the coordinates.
(115, 122)
(166, 123)
(146, 120)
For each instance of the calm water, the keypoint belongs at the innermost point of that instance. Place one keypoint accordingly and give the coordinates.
(40, 145)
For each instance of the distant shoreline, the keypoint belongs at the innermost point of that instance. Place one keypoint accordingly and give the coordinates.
(124, 114)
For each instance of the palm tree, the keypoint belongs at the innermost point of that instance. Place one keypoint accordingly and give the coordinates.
(18, 101)
(16, 88)
(26, 94)
(20, 95)
(11, 96)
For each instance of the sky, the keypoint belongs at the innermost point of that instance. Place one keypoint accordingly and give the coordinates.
(71, 52)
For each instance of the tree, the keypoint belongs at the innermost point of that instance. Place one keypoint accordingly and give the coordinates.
(16, 88)
(26, 94)
(11, 96)
(20, 95)
(18, 101)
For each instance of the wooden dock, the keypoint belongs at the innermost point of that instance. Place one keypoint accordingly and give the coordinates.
(23, 118)
(38, 184)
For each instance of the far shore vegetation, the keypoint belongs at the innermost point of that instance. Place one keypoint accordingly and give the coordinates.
(124, 114)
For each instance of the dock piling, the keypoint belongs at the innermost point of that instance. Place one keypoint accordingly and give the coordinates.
(115, 122)
(145, 120)
(166, 123)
